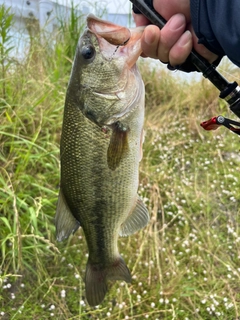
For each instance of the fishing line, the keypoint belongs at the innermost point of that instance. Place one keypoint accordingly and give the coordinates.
(119, 45)
(230, 73)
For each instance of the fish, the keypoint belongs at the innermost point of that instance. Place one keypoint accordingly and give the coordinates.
(100, 150)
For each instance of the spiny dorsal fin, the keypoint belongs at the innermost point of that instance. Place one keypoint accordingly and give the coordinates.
(118, 145)
(137, 220)
(65, 222)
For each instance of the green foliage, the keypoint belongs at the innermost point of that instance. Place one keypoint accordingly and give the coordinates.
(185, 263)
(67, 39)
(6, 21)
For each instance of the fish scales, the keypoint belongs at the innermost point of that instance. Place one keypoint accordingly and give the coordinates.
(102, 187)
(100, 152)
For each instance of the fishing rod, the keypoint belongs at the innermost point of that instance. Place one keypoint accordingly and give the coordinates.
(229, 91)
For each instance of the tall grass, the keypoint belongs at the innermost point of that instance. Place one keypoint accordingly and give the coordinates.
(185, 263)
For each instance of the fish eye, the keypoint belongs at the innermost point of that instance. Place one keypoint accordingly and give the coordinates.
(88, 52)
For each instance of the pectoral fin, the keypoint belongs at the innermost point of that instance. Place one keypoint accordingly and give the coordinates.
(65, 222)
(118, 145)
(137, 220)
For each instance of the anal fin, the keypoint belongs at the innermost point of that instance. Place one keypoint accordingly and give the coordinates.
(137, 220)
(65, 222)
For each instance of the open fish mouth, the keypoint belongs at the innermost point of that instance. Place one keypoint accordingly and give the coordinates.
(127, 41)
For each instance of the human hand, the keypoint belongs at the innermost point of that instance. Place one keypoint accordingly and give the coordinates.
(175, 41)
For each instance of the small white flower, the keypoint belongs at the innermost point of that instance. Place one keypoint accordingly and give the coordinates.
(63, 293)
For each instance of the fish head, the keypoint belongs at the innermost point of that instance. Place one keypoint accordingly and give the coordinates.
(104, 72)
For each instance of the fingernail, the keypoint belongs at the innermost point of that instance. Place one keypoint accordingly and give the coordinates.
(185, 39)
(176, 22)
(149, 37)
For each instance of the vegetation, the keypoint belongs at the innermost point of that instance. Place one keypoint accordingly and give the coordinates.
(185, 263)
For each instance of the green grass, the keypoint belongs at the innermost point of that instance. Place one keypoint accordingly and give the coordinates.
(185, 263)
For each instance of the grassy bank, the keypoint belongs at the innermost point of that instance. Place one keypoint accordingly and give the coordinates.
(185, 263)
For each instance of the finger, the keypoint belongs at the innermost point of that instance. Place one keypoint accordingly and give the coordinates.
(170, 34)
(140, 20)
(157, 44)
(150, 41)
(181, 49)
(169, 8)
(201, 49)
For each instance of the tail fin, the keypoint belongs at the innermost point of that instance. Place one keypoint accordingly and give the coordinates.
(97, 276)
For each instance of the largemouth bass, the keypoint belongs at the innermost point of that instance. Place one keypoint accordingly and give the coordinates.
(101, 146)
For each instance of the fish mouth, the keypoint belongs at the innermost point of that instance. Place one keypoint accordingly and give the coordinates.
(127, 42)
(109, 31)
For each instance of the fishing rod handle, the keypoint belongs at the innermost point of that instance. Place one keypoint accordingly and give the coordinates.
(208, 70)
